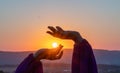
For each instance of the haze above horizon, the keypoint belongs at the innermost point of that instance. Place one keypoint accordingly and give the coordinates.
(23, 24)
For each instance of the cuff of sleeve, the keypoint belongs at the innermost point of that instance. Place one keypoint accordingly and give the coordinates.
(84, 42)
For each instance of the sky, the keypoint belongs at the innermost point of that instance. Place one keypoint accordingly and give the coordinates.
(23, 23)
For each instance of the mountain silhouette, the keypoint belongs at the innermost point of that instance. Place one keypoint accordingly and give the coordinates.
(102, 57)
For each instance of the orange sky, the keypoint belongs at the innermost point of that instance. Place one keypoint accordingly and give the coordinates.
(23, 25)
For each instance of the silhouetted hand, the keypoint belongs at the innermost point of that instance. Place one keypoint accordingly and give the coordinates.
(49, 54)
(60, 33)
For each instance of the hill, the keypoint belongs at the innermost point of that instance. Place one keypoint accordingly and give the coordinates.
(102, 57)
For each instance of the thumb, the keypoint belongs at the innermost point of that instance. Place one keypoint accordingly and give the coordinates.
(59, 55)
(59, 48)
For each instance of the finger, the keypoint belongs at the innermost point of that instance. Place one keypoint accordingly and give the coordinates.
(52, 33)
(59, 49)
(49, 32)
(59, 29)
(52, 28)
(55, 57)
(59, 55)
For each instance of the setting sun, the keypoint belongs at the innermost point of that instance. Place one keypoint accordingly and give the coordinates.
(54, 45)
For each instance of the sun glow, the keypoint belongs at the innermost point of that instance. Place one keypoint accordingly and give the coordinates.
(54, 45)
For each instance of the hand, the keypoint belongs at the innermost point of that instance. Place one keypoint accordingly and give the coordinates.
(60, 33)
(49, 54)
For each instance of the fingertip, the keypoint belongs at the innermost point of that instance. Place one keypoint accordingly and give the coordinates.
(49, 32)
(58, 27)
(61, 46)
(49, 26)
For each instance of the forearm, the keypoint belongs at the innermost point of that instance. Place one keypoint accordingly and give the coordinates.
(28, 65)
(83, 60)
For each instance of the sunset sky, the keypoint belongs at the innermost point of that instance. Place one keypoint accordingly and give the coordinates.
(23, 23)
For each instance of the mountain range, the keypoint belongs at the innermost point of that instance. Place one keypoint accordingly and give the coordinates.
(102, 57)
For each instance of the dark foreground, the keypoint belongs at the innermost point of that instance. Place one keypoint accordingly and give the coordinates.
(63, 68)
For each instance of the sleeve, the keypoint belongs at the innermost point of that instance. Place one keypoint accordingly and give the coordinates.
(83, 60)
(29, 65)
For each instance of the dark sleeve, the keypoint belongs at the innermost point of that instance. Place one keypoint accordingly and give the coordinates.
(83, 60)
(29, 65)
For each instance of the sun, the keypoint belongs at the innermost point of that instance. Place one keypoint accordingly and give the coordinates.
(54, 45)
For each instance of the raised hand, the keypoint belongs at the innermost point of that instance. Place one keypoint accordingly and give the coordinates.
(60, 33)
(49, 54)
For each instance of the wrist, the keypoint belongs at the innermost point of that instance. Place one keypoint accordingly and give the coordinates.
(34, 55)
(78, 39)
